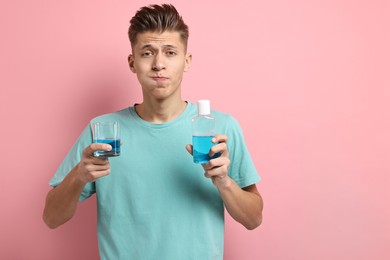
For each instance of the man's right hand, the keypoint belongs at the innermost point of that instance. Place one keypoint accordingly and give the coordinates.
(91, 168)
(61, 202)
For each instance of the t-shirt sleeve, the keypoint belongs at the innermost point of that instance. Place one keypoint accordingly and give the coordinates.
(241, 169)
(71, 160)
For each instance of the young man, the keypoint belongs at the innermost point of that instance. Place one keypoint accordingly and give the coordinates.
(153, 201)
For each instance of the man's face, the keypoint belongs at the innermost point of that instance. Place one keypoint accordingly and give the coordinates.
(159, 60)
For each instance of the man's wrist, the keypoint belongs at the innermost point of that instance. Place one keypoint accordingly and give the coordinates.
(77, 177)
(223, 182)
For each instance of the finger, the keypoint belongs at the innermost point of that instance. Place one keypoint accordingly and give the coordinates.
(91, 172)
(219, 148)
(207, 175)
(89, 150)
(100, 146)
(218, 171)
(90, 163)
(210, 176)
(98, 174)
(217, 162)
(189, 148)
(99, 160)
(89, 158)
(220, 138)
(97, 167)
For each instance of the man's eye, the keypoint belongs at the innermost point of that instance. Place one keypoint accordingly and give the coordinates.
(146, 54)
(171, 53)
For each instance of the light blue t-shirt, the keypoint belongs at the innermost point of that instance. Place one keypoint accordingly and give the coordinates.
(156, 203)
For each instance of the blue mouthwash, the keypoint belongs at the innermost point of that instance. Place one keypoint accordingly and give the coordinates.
(115, 151)
(203, 131)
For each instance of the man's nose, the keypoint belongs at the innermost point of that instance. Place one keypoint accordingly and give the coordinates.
(158, 63)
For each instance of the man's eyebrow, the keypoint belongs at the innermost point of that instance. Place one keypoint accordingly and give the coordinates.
(170, 46)
(147, 46)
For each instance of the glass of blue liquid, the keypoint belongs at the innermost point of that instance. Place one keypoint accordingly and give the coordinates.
(106, 133)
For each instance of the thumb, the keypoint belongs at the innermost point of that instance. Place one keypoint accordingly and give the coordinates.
(189, 148)
(89, 150)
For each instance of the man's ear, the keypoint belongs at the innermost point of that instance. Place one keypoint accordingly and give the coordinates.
(188, 62)
(130, 60)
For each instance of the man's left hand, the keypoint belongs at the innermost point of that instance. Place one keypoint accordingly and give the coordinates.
(217, 169)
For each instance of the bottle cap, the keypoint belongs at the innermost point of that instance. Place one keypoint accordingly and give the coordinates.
(204, 107)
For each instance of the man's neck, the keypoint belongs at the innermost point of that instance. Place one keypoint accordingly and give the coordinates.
(160, 111)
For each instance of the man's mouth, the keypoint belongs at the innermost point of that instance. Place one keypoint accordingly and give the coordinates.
(159, 78)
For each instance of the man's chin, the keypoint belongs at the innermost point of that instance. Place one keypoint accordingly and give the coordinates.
(161, 93)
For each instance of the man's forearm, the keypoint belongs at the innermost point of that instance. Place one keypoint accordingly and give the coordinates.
(244, 205)
(61, 202)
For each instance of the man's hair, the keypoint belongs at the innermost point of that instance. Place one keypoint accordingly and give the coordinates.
(157, 18)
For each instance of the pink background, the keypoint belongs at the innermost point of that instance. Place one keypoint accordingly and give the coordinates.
(309, 81)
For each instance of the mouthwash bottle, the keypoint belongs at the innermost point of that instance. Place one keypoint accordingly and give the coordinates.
(203, 130)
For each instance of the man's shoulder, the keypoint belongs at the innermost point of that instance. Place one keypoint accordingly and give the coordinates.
(224, 118)
(112, 116)
(220, 114)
